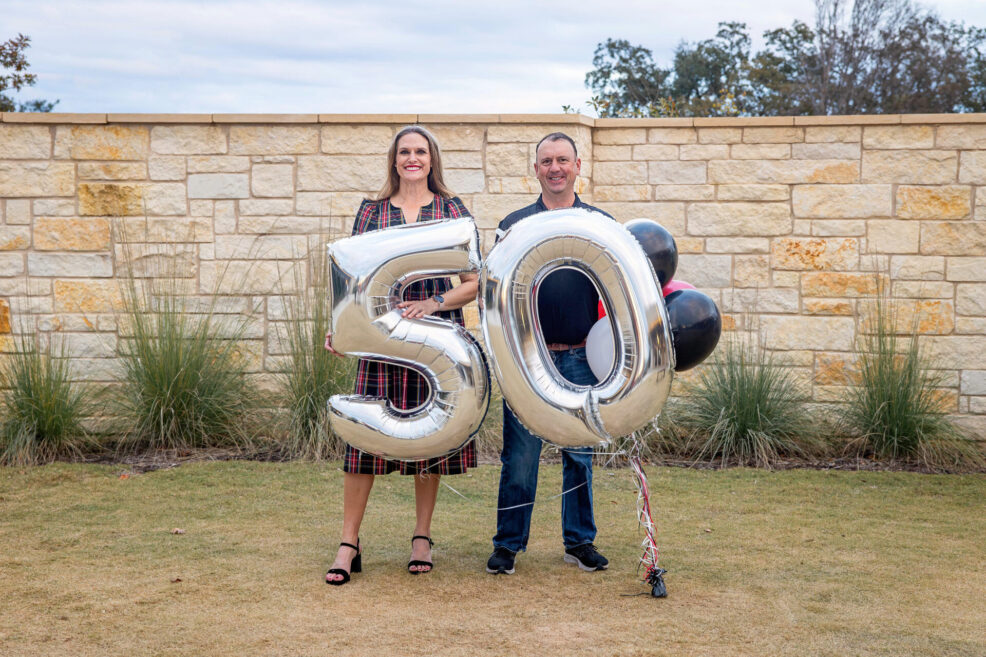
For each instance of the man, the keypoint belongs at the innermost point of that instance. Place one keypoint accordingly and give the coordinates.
(567, 309)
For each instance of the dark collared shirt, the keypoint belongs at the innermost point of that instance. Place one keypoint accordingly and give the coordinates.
(568, 303)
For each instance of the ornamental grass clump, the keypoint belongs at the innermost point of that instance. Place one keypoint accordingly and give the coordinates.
(41, 409)
(895, 409)
(744, 409)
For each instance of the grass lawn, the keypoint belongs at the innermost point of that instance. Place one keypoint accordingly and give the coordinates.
(761, 563)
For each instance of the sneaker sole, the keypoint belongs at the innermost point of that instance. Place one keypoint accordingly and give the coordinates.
(500, 571)
(589, 569)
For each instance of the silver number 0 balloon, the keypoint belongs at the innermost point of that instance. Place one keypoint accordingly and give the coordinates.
(368, 272)
(561, 412)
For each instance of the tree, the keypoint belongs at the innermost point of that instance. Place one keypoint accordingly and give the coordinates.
(875, 56)
(12, 59)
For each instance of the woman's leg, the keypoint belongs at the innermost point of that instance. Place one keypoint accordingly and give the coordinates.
(355, 493)
(425, 496)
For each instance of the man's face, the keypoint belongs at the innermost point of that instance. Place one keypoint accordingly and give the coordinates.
(557, 167)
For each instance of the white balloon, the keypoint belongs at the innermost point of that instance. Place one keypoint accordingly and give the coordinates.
(599, 348)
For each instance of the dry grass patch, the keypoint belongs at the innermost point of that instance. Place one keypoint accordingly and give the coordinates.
(795, 562)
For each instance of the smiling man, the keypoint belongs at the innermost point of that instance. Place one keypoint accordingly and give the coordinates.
(567, 309)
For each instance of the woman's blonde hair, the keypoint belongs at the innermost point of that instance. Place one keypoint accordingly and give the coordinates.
(436, 183)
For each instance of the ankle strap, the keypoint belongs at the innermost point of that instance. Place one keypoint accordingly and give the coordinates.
(350, 545)
(431, 543)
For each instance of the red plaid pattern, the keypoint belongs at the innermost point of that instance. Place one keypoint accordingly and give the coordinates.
(404, 388)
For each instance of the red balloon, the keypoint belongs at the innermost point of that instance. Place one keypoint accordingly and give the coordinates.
(674, 285)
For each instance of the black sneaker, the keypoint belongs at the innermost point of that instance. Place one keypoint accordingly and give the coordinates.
(587, 557)
(501, 562)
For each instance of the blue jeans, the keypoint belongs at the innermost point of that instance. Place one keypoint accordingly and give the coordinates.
(519, 475)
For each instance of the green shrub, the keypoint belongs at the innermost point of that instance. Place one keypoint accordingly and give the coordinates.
(745, 408)
(41, 409)
(895, 410)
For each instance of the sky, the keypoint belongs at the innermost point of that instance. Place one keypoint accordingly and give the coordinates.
(369, 56)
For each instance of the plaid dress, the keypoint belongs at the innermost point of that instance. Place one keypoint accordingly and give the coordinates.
(405, 388)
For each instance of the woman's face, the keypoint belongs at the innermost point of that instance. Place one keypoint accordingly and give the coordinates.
(413, 160)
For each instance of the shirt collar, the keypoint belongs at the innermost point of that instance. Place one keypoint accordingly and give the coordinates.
(543, 208)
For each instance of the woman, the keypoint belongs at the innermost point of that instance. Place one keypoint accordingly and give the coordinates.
(414, 191)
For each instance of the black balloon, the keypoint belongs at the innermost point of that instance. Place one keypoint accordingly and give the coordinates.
(658, 245)
(695, 327)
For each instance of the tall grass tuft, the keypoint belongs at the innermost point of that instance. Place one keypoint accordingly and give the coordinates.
(895, 410)
(183, 383)
(313, 374)
(41, 409)
(745, 408)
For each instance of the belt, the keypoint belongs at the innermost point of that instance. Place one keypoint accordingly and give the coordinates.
(557, 346)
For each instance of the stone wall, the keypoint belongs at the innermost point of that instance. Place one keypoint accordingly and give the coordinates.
(786, 222)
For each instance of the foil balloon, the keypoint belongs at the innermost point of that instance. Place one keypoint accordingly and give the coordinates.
(636, 386)
(695, 326)
(368, 274)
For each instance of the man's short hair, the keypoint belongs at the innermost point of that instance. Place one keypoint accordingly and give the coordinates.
(558, 136)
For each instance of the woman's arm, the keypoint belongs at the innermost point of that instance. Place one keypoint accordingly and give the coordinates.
(457, 297)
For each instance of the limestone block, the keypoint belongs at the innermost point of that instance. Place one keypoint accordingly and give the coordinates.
(49, 207)
(201, 208)
(739, 219)
(826, 151)
(955, 351)
(272, 180)
(838, 284)
(108, 199)
(923, 316)
(720, 135)
(218, 185)
(737, 245)
(356, 139)
(463, 159)
(672, 136)
(519, 185)
(112, 171)
(281, 225)
(963, 325)
(463, 137)
(632, 136)
(835, 369)
(819, 254)
(973, 382)
(218, 164)
(818, 333)
(620, 173)
(962, 136)
(783, 135)
(466, 181)
(93, 369)
(4, 316)
(71, 234)
(706, 271)
(971, 269)
(33, 179)
(690, 245)
(179, 229)
(892, 236)
(607, 193)
(101, 142)
(842, 201)
(166, 198)
(923, 290)
(18, 212)
(949, 238)
(656, 152)
(784, 171)
(910, 167)
(972, 167)
(970, 299)
(89, 345)
(166, 167)
(80, 265)
(266, 206)
(833, 134)
(669, 215)
(751, 271)
(899, 136)
(247, 277)
(266, 247)
(753, 192)
(25, 142)
(918, 268)
(684, 192)
(946, 202)
(611, 153)
(704, 152)
(274, 139)
(341, 173)
(838, 228)
(188, 140)
(14, 238)
(687, 173)
(490, 209)
(508, 160)
(841, 307)
(760, 152)
(172, 260)
(11, 264)
(327, 203)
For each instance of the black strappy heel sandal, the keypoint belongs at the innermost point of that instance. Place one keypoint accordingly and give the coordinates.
(355, 566)
(419, 562)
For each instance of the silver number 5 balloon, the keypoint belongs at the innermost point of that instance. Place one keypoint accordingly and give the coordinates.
(368, 273)
(561, 412)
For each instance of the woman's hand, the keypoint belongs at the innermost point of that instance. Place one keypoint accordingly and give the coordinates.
(415, 309)
(328, 345)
